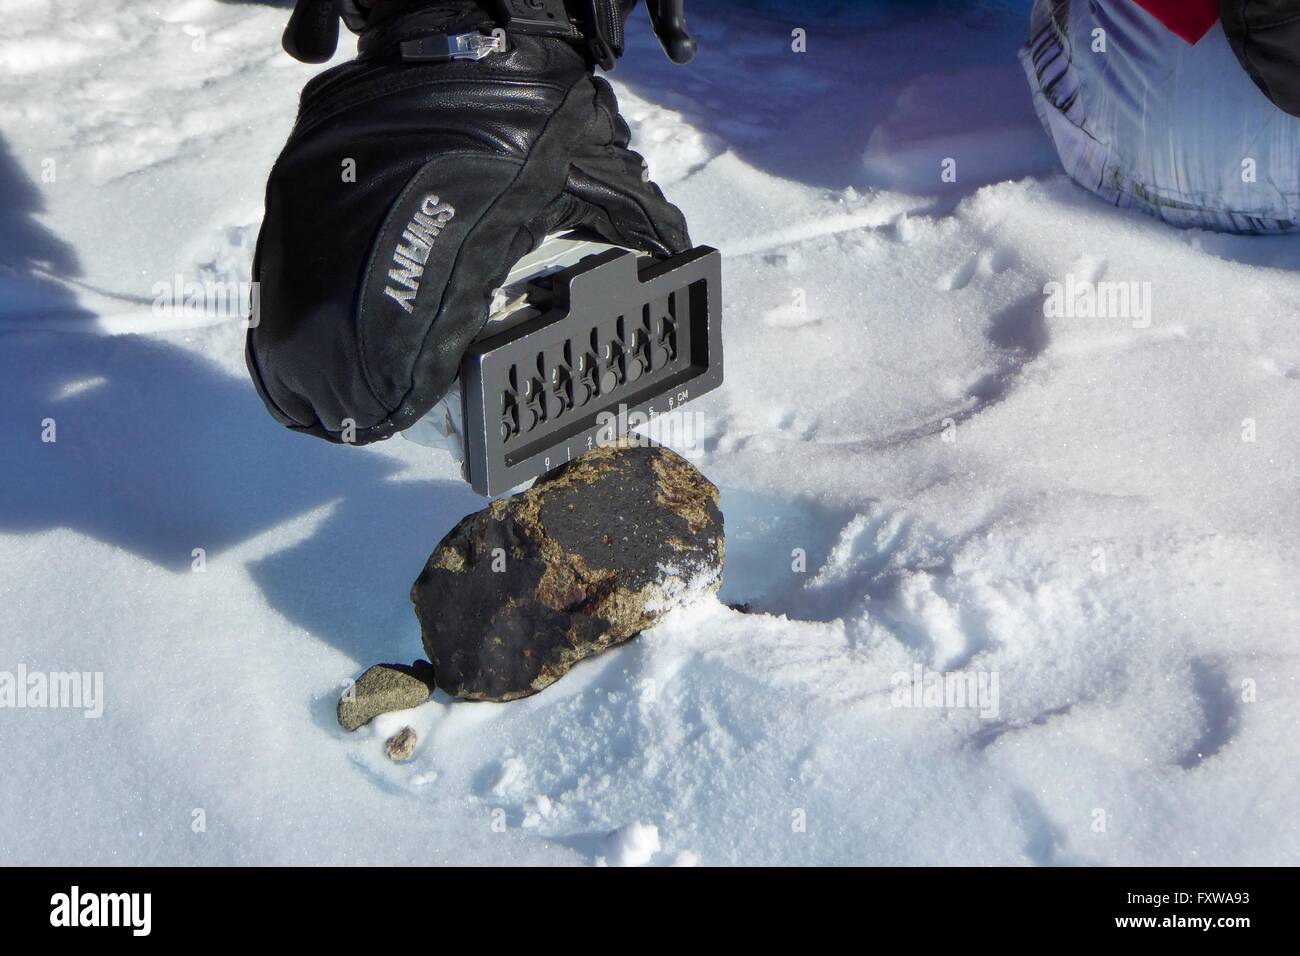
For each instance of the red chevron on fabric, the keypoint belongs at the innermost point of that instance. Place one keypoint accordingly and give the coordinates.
(1189, 19)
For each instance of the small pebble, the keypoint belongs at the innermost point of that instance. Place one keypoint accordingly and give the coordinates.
(401, 745)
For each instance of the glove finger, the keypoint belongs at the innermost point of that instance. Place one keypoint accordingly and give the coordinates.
(614, 193)
(615, 202)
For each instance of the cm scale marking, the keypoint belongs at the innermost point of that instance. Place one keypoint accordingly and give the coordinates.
(619, 337)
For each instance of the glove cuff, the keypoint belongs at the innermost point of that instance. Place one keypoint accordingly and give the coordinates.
(394, 22)
(593, 26)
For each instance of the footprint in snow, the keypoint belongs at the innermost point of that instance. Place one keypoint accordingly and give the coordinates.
(987, 263)
(792, 421)
(1282, 368)
(789, 317)
(1089, 268)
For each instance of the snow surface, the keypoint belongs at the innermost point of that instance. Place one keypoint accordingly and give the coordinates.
(1099, 538)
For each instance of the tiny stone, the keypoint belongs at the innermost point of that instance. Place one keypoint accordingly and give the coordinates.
(401, 745)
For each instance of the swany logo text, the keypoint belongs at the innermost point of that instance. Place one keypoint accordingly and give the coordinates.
(413, 248)
(75, 908)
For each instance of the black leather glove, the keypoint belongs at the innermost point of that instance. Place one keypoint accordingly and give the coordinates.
(1265, 35)
(407, 190)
